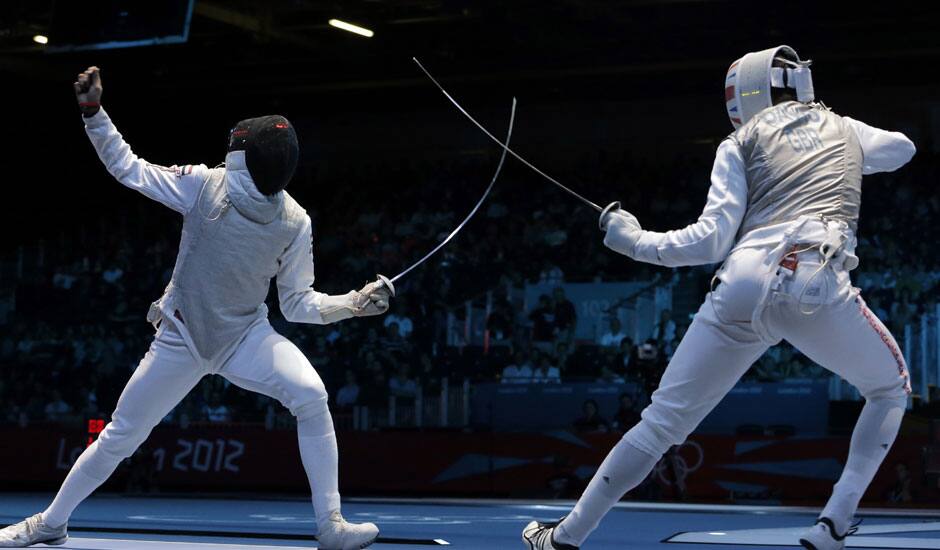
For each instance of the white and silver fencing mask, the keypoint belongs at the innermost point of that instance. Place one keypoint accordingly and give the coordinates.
(750, 79)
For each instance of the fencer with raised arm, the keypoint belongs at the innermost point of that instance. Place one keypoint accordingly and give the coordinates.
(240, 230)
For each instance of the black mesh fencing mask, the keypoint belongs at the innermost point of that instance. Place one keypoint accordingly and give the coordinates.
(271, 150)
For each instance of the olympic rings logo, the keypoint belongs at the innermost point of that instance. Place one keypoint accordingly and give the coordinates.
(680, 463)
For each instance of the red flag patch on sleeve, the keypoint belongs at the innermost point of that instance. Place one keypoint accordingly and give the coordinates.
(183, 170)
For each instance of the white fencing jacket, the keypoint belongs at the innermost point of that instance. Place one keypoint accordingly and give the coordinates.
(234, 241)
(716, 232)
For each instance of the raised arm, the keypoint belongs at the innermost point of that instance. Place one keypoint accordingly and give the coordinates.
(706, 241)
(300, 303)
(174, 186)
(883, 151)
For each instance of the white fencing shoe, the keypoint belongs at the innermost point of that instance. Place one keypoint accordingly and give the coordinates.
(339, 534)
(823, 536)
(540, 536)
(32, 531)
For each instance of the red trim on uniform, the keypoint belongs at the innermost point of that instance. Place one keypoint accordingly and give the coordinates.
(790, 260)
(733, 65)
(89, 104)
(280, 125)
(729, 93)
(736, 120)
(888, 340)
(240, 133)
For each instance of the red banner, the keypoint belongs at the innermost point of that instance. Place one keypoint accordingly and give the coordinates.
(543, 465)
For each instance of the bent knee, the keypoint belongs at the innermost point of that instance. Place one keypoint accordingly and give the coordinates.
(894, 394)
(120, 439)
(313, 404)
(652, 438)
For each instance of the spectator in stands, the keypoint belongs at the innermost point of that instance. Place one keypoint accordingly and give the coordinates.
(610, 376)
(400, 317)
(402, 384)
(375, 387)
(650, 365)
(764, 370)
(372, 364)
(903, 312)
(665, 332)
(348, 395)
(627, 414)
(680, 334)
(551, 273)
(591, 420)
(793, 370)
(113, 274)
(625, 355)
(566, 316)
(214, 410)
(57, 409)
(89, 407)
(64, 278)
(431, 372)
(499, 324)
(562, 356)
(519, 371)
(393, 342)
(322, 356)
(543, 320)
(874, 304)
(614, 335)
(372, 344)
(546, 373)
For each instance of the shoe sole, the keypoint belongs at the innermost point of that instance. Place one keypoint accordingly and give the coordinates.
(54, 542)
(807, 544)
(361, 546)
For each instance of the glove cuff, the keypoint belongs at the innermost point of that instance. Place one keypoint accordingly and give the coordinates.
(337, 307)
(646, 247)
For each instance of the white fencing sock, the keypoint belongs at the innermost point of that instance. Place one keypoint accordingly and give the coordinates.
(623, 469)
(872, 438)
(320, 457)
(91, 470)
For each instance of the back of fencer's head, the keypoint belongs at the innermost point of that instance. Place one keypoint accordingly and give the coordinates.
(761, 79)
(782, 95)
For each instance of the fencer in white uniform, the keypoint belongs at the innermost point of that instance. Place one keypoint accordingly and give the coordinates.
(781, 215)
(240, 230)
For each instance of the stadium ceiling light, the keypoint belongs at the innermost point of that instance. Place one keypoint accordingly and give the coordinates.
(41, 39)
(362, 31)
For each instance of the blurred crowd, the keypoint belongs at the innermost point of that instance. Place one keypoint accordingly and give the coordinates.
(73, 324)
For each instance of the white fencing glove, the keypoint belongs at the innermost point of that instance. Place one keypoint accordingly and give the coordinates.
(371, 299)
(621, 227)
(374, 297)
(88, 90)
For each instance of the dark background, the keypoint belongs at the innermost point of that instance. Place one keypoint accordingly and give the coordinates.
(568, 62)
(619, 100)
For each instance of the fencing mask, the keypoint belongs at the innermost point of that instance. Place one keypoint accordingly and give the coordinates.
(750, 79)
(271, 150)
